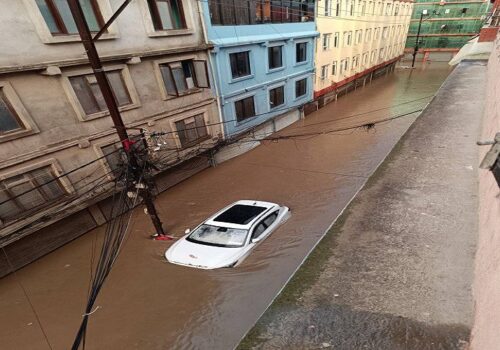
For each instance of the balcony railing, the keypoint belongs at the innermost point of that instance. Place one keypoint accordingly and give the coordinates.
(247, 12)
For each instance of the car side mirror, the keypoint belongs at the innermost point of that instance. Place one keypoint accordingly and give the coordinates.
(255, 240)
(188, 230)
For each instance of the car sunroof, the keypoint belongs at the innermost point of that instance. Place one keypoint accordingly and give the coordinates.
(240, 214)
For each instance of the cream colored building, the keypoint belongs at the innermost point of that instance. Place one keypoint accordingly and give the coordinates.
(357, 38)
(53, 118)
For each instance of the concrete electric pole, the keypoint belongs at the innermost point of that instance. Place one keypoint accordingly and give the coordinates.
(89, 44)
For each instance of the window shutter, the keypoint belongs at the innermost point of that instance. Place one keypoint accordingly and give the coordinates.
(168, 80)
(201, 73)
(200, 126)
(179, 77)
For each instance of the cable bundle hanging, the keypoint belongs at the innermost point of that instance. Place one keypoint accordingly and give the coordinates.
(114, 236)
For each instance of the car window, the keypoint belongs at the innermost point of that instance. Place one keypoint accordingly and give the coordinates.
(264, 224)
(270, 219)
(258, 230)
(218, 236)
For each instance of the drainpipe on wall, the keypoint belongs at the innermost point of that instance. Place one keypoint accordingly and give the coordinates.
(210, 61)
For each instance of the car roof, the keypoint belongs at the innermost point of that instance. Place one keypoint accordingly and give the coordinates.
(236, 215)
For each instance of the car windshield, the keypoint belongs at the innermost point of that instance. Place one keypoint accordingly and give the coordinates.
(218, 236)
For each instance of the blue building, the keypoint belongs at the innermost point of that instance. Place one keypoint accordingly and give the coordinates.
(263, 58)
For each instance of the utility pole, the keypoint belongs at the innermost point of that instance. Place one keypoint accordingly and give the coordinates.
(418, 38)
(107, 93)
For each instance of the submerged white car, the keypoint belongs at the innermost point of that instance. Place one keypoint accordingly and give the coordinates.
(226, 238)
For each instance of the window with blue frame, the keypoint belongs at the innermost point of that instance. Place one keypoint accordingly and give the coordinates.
(245, 108)
(301, 52)
(275, 54)
(240, 64)
(300, 87)
(276, 97)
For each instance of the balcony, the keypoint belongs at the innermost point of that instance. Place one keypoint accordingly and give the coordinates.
(249, 12)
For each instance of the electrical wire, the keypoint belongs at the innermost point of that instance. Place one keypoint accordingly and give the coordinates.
(114, 236)
(64, 174)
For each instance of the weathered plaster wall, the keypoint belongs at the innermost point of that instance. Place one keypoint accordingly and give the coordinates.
(486, 329)
(132, 33)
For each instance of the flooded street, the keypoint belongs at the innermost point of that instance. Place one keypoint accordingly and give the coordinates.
(149, 304)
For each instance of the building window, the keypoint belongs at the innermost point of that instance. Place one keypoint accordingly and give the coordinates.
(355, 60)
(324, 72)
(334, 68)
(115, 157)
(327, 7)
(300, 87)
(167, 14)
(240, 64)
(336, 39)
(337, 8)
(9, 120)
(191, 130)
(58, 17)
(368, 35)
(326, 41)
(276, 97)
(184, 77)
(275, 56)
(27, 192)
(301, 52)
(385, 33)
(90, 96)
(245, 108)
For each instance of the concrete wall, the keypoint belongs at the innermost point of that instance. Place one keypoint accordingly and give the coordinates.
(256, 38)
(367, 18)
(486, 329)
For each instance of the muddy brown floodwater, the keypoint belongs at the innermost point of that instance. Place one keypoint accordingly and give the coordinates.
(147, 303)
